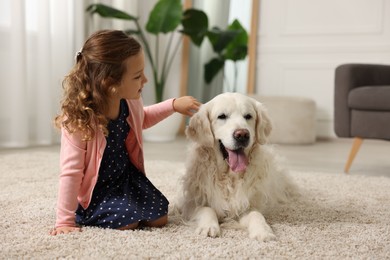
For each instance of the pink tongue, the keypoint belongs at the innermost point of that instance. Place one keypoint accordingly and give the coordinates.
(237, 160)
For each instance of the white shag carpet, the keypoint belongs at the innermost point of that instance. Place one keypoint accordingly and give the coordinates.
(337, 217)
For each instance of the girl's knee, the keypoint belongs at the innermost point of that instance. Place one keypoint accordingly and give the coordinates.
(160, 222)
(131, 226)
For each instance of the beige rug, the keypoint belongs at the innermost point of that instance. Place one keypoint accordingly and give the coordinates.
(338, 217)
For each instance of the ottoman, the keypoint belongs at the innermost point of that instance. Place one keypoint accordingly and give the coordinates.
(293, 119)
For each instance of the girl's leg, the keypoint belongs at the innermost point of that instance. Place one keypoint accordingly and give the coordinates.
(160, 222)
(131, 226)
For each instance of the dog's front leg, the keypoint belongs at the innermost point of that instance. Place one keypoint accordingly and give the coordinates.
(207, 222)
(257, 227)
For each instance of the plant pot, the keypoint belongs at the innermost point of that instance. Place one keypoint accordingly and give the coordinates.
(164, 131)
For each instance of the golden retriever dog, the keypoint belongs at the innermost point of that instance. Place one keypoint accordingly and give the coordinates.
(231, 174)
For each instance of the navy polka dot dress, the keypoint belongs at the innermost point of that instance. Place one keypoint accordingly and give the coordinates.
(122, 195)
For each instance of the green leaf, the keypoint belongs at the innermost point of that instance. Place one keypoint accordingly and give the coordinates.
(165, 16)
(109, 12)
(219, 39)
(237, 48)
(195, 25)
(132, 32)
(212, 68)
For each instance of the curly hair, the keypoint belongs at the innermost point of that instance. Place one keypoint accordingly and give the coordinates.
(99, 66)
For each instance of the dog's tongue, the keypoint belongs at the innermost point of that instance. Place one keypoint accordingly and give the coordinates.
(237, 160)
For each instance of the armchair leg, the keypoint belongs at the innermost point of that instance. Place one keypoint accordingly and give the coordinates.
(357, 141)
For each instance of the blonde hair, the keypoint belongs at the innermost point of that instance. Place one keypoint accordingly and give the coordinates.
(99, 67)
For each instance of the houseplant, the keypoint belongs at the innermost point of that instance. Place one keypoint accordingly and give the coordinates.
(230, 44)
(165, 18)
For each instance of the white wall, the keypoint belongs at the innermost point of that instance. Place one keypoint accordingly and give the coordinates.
(300, 43)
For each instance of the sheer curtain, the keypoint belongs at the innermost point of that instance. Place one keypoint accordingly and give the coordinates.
(38, 40)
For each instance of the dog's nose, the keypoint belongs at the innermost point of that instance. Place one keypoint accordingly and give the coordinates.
(241, 136)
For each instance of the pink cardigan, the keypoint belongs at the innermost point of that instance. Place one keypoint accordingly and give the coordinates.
(80, 160)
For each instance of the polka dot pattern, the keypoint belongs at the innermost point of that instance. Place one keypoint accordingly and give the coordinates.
(123, 195)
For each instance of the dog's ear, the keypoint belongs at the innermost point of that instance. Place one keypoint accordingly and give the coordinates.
(199, 128)
(263, 123)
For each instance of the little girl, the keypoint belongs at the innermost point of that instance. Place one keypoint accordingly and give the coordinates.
(102, 180)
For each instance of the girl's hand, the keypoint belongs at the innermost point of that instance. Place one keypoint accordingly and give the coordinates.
(64, 230)
(186, 105)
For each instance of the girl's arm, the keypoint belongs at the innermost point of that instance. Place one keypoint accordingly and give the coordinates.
(157, 112)
(72, 165)
(186, 105)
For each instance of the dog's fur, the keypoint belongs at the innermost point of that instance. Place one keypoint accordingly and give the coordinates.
(230, 173)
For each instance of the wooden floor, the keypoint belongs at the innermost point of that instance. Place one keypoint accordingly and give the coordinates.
(328, 156)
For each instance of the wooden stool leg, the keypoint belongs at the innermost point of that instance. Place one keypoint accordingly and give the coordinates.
(355, 148)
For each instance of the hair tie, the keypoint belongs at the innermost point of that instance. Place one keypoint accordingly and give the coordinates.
(78, 55)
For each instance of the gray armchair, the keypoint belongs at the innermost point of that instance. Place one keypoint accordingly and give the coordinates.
(362, 104)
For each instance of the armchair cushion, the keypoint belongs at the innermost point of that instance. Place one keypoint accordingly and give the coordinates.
(370, 98)
(362, 101)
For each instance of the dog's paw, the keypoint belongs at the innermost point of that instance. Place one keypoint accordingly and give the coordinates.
(207, 222)
(262, 236)
(209, 231)
(257, 227)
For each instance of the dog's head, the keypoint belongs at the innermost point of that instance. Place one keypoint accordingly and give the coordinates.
(234, 123)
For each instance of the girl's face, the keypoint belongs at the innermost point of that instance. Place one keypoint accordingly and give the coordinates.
(133, 79)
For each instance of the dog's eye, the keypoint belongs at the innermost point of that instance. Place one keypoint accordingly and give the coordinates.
(222, 116)
(248, 116)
